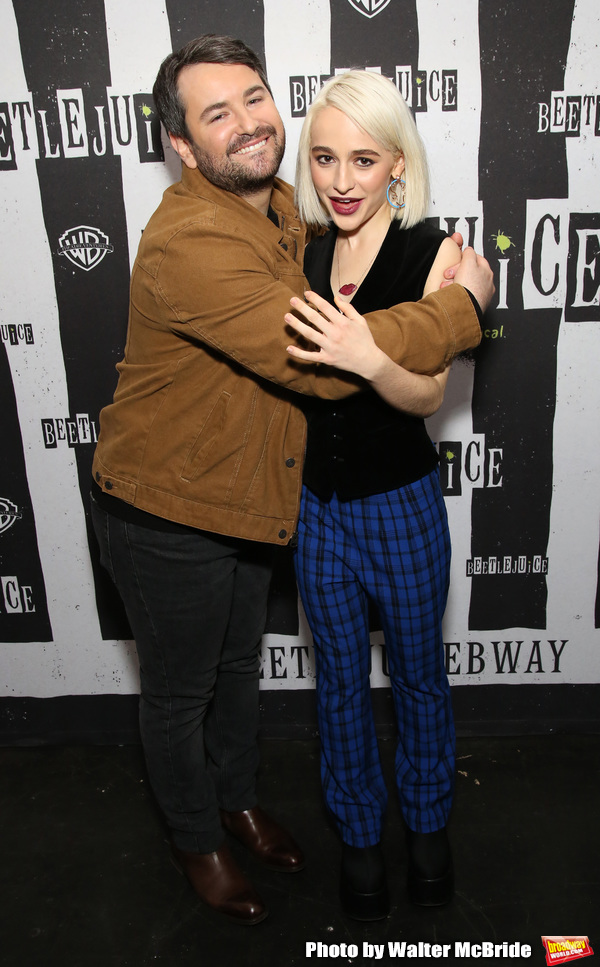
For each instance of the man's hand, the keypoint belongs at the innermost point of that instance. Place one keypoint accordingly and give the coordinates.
(474, 273)
(342, 335)
(451, 271)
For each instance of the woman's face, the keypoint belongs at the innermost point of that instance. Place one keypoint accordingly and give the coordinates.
(350, 171)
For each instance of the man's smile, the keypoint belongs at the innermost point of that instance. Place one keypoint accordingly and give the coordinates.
(251, 147)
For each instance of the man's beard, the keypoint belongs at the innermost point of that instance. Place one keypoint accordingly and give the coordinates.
(234, 176)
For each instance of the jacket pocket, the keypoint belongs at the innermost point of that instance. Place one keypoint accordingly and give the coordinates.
(206, 439)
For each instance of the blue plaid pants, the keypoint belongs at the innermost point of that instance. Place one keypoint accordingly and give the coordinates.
(392, 548)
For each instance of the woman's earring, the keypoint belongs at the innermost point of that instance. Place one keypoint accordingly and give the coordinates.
(395, 187)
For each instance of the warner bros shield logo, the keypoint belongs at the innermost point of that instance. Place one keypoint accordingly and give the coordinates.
(84, 246)
(9, 513)
(369, 8)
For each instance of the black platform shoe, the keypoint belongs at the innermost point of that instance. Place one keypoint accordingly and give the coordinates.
(430, 873)
(363, 883)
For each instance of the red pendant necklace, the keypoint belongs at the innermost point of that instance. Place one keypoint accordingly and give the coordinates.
(350, 287)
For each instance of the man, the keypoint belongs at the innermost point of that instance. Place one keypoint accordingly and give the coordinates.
(199, 461)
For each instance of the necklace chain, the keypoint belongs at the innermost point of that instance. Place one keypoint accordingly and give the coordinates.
(349, 288)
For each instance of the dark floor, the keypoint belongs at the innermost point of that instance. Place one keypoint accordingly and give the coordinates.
(87, 879)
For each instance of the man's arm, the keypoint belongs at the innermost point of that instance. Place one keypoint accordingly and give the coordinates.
(423, 337)
(221, 290)
(462, 319)
(343, 340)
(346, 342)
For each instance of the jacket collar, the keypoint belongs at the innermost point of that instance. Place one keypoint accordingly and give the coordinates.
(289, 234)
(282, 195)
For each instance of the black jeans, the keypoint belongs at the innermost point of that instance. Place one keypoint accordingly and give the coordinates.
(197, 605)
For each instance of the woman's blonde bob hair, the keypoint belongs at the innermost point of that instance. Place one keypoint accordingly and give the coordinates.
(375, 104)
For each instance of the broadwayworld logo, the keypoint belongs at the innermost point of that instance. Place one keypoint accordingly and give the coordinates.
(562, 950)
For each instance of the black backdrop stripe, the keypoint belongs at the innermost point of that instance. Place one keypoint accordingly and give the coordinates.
(515, 377)
(597, 613)
(189, 19)
(386, 40)
(23, 605)
(64, 46)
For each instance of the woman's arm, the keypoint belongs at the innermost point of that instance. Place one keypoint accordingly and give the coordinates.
(346, 342)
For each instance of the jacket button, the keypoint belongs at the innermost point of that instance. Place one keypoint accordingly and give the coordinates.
(284, 246)
(108, 485)
(98, 476)
(282, 534)
(290, 462)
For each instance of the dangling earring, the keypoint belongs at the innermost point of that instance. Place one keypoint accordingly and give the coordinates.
(393, 189)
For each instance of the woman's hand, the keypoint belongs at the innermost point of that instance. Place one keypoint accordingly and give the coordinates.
(345, 341)
(342, 335)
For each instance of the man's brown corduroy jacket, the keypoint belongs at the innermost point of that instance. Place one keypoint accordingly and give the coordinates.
(203, 429)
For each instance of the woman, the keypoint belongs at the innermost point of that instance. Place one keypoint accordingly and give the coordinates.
(373, 524)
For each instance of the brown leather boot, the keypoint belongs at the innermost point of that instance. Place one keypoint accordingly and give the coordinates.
(265, 838)
(219, 882)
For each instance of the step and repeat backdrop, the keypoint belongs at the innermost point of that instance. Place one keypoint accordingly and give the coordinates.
(507, 98)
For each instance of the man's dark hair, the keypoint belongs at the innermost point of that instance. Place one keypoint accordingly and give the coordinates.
(208, 49)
